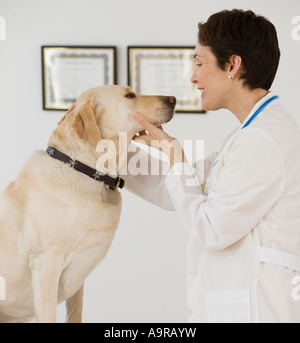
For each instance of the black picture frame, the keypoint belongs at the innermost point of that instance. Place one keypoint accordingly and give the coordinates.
(68, 70)
(165, 70)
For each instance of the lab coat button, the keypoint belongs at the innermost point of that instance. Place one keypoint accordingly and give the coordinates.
(190, 312)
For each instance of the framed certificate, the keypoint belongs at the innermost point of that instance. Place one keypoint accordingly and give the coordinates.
(165, 71)
(70, 70)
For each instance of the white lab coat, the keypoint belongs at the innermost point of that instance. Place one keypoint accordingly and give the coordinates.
(243, 257)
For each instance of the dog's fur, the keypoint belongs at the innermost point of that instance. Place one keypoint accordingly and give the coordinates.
(56, 224)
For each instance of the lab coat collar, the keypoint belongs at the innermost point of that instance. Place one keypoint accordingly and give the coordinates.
(257, 105)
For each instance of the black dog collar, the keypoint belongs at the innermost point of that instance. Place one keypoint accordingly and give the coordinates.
(113, 183)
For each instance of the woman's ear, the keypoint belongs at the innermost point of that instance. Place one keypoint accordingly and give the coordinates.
(234, 66)
(85, 124)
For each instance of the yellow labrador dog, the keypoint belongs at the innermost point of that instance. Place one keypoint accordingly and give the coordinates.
(57, 222)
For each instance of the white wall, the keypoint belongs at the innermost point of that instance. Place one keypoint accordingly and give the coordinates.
(143, 277)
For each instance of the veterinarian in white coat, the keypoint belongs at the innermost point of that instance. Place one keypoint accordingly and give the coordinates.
(243, 217)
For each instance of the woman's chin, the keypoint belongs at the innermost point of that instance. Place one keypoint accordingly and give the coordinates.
(205, 106)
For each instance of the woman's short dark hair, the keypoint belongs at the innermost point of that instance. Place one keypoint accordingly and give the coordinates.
(250, 36)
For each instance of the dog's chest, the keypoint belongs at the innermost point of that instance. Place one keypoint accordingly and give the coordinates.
(89, 248)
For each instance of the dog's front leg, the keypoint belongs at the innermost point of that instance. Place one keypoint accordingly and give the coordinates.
(74, 307)
(45, 272)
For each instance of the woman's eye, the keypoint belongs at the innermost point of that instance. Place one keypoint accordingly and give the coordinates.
(130, 95)
(198, 65)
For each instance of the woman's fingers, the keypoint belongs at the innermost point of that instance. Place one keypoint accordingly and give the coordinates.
(142, 133)
(152, 129)
(146, 139)
(158, 139)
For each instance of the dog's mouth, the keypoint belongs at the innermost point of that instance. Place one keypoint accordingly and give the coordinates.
(165, 112)
(166, 115)
(159, 123)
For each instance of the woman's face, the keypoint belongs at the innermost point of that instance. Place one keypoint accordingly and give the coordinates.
(210, 79)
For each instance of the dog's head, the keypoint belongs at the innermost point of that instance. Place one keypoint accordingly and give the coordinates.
(104, 112)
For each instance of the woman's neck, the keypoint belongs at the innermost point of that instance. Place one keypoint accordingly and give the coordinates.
(244, 100)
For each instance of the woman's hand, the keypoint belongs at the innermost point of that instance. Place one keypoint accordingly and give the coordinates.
(157, 138)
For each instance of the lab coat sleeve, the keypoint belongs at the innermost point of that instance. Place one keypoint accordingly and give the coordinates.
(246, 187)
(148, 181)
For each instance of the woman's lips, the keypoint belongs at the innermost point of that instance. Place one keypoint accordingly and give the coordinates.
(202, 91)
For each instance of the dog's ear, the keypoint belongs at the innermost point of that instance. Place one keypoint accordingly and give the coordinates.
(85, 124)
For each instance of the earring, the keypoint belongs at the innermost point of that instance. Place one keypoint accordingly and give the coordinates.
(229, 77)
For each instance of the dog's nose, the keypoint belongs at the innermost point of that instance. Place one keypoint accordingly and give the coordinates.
(172, 100)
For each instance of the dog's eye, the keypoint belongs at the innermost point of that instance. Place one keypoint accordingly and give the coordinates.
(130, 95)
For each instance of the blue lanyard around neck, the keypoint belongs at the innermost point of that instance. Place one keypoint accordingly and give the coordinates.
(259, 110)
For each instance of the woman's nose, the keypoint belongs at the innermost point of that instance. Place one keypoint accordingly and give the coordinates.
(194, 78)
